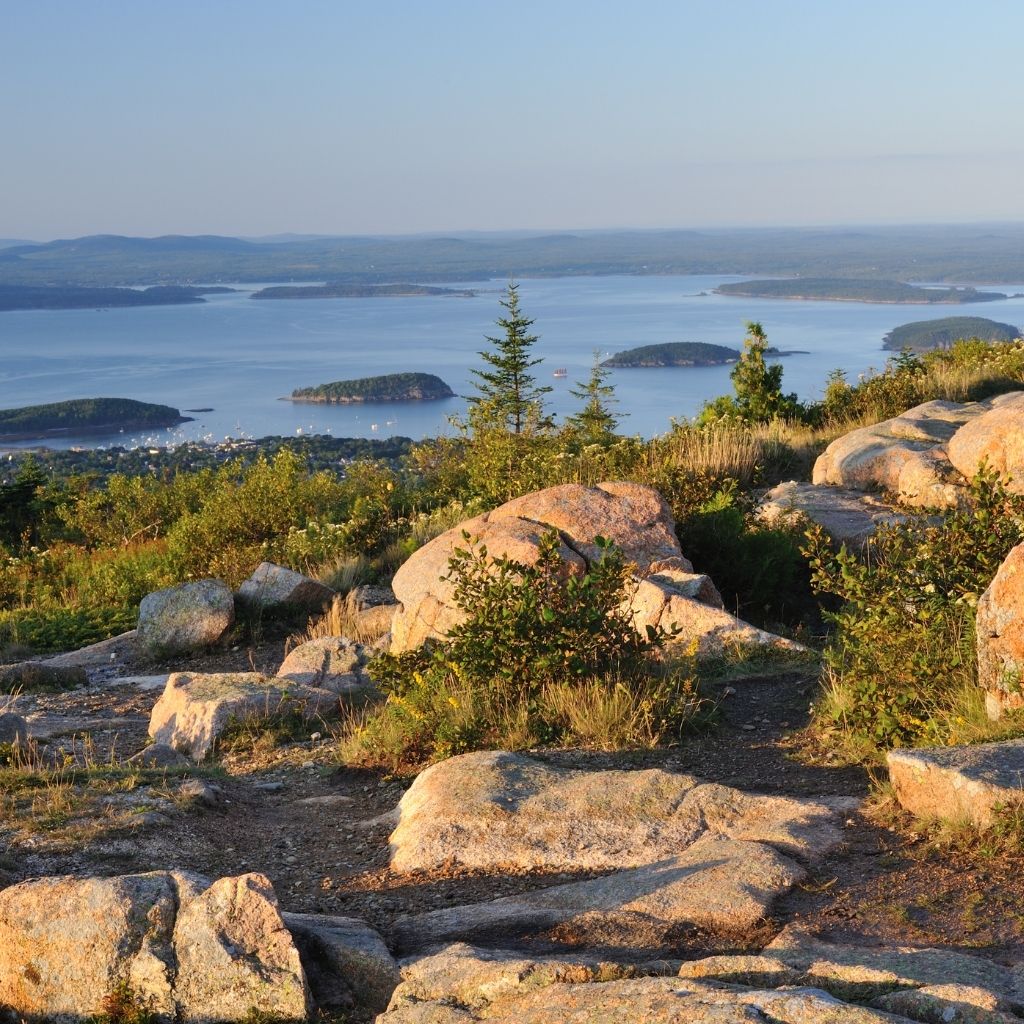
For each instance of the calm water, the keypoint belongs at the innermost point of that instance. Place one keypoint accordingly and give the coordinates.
(240, 356)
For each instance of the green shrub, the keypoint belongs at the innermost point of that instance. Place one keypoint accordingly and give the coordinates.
(63, 629)
(901, 664)
(530, 631)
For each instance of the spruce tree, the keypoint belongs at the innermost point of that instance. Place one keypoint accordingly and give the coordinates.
(758, 386)
(508, 393)
(595, 422)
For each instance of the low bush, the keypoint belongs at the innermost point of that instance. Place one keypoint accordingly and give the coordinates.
(534, 636)
(901, 665)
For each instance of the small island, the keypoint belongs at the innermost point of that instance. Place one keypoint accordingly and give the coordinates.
(681, 353)
(356, 291)
(22, 297)
(85, 416)
(832, 289)
(390, 387)
(922, 335)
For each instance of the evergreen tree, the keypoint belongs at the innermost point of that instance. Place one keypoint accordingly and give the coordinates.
(758, 386)
(508, 393)
(595, 422)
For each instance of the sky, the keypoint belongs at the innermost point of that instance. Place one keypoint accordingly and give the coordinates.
(150, 117)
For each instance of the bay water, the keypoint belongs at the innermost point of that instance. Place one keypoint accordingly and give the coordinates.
(240, 357)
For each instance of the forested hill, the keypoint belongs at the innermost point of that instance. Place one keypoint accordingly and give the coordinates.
(85, 415)
(927, 334)
(675, 353)
(14, 297)
(389, 387)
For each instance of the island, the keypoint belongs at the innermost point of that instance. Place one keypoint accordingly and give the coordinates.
(341, 290)
(390, 387)
(21, 297)
(922, 335)
(843, 289)
(83, 416)
(681, 353)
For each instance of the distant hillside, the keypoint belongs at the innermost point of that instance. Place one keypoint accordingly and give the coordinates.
(390, 387)
(675, 353)
(962, 253)
(85, 416)
(70, 297)
(926, 334)
(355, 291)
(846, 290)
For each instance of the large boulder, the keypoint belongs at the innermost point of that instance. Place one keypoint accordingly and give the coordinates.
(332, 663)
(667, 592)
(274, 586)
(959, 783)
(186, 949)
(185, 618)
(995, 437)
(195, 708)
(493, 808)
(1000, 636)
(927, 455)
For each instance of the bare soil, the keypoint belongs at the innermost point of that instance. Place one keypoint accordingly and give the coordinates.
(318, 828)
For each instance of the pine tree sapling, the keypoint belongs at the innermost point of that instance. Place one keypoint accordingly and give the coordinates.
(595, 422)
(509, 395)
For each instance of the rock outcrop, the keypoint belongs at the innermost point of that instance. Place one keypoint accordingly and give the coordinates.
(186, 949)
(274, 586)
(195, 708)
(681, 853)
(959, 783)
(1000, 636)
(798, 979)
(634, 517)
(185, 618)
(849, 517)
(927, 455)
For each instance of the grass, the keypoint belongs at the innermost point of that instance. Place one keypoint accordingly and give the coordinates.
(342, 618)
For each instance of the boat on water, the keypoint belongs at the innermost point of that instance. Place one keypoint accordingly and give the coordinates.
(561, 372)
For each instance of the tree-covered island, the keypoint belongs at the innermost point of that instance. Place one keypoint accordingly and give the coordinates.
(389, 387)
(341, 290)
(837, 289)
(923, 335)
(17, 296)
(680, 353)
(82, 416)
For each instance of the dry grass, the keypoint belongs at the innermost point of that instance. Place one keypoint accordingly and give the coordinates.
(343, 618)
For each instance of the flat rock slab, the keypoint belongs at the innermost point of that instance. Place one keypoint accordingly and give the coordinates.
(716, 884)
(98, 655)
(45, 726)
(961, 783)
(847, 516)
(802, 981)
(492, 808)
(195, 708)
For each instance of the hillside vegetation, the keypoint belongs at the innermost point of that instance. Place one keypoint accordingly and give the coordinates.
(389, 387)
(926, 334)
(845, 290)
(85, 414)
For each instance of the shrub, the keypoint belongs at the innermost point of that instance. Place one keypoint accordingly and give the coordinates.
(531, 631)
(902, 658)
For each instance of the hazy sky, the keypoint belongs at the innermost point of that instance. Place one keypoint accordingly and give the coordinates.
(390, 116)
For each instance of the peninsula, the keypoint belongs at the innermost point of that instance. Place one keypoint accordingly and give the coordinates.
(922, 335)
(390, 387)
(357, 291)
(680, 353)
(840, 289)
(83, 416)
